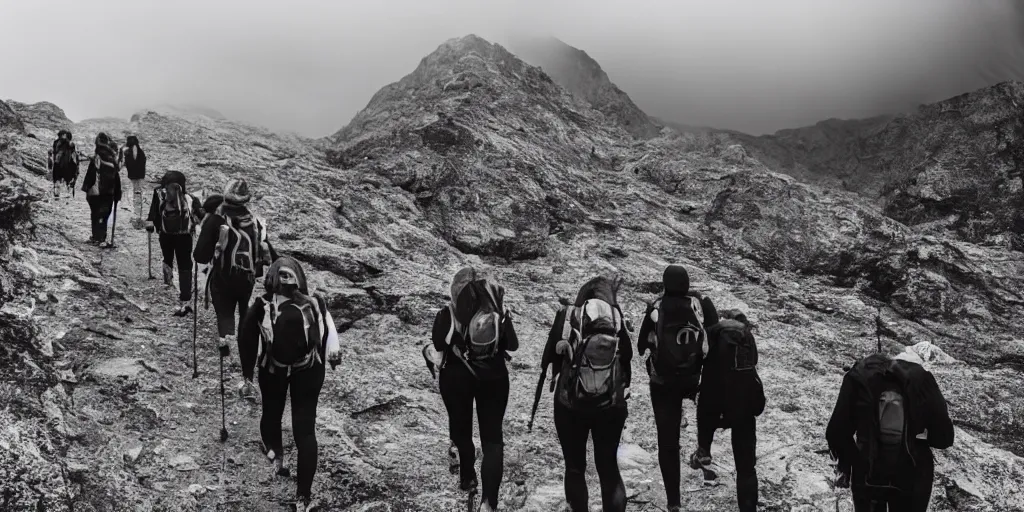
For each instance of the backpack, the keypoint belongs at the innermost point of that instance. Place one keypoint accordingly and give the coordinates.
(680, 341)
(176, 215)
(735, 357)
(237, 251)
(106, 176)
(476, 319)
(63, 155)
(884, 446)
(591, 379)
(302, 325)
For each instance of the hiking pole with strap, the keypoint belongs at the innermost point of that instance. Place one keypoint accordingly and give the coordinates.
(195, 320)
(537, 394)
(223, 414)
(149, 259)
(878, 328)
(113, 229)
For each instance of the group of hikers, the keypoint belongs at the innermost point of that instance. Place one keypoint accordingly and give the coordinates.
(889, 415)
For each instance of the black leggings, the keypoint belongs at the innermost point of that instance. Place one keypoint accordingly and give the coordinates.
(229, 297)
(744, 447)
(667, 402)
(606, 429)
(916, 501)
(458, 390)
(179, 246)
(100, 208)
(305, 390)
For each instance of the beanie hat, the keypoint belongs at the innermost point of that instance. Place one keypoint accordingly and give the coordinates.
(237, 192)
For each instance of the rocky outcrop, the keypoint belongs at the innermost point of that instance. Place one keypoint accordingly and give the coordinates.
(573, 69)
(43, 117)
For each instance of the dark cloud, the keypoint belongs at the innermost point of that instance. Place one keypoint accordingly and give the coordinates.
(309, 66)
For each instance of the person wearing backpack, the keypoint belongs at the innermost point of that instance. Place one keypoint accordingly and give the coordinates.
(289, 335)
(674, 329)
(475, 333)
(102, 187)
(134, 159)
(898, 414)
(234, 243)
(731, 396)
(174, 214)
(590, 350)
(62, 161)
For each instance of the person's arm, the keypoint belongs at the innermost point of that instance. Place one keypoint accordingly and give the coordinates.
(626, 355)
(120, 157)
(207, 242)
(646, 327)
(90, 177)
(710, 312)
(154, 212)
(49, 159)
(841, 427)
(249, 338)
(273, 253)
(551, 355)
(442, 324)
(939, 424)
(509, 339)
(332, 346)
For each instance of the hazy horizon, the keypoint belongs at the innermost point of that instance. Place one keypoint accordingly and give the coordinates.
(310, 66)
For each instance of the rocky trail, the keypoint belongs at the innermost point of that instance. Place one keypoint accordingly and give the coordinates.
(475, 158)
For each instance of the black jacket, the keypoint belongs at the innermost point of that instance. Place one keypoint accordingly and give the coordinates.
(154, 211)
(856, 413)
(90, 179)
(135, 165)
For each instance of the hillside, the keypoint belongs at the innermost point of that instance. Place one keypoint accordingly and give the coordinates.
(956, 164)
(475, 158)
(581, 75)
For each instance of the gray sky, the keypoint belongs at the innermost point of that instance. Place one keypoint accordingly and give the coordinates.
(309, 66)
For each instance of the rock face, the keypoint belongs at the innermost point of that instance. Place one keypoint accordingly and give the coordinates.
(477, 158)
(44, 117)
(573, 69)
(957, 163)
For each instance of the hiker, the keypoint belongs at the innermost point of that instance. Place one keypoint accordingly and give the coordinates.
(898, 413)
(474, 334)
(134, 159)
(62, 160)
(590, 349)
(731, 396)
(174, 214)
(289, 335)
(102, 187)
(235, 244)
(674, 329)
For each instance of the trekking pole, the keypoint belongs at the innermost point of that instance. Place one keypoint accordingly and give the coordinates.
(878, 328)
(536, 396)
(195, 320)
(149, 258)
(223, 414)
(113, 228)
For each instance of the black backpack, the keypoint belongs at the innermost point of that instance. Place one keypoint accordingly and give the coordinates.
(735, 360)
(63, 155)
(591, 379)
(882, 436)
(176, 214)
(680, 341)
(300, 330)
(238, 252)
(476, 319)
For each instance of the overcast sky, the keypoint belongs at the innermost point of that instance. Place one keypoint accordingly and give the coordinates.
(308, 66)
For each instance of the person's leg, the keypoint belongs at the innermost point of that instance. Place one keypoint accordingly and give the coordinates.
(167, 249)
(925, 478)
(668, 416)
(106, 207)
(183, 252)
(242, 302)
(707, 421)
(224, 304)
(93, 216)
(491, 402)
(744, 449)
(305, 393)
(274, 390)
(137, 199)
(572, 436)
(456, 385)
(607, 432)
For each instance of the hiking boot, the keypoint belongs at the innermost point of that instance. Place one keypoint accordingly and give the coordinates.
(469, 484)
(700, 459)
(184, 310)
(280, 469)
(246, 390)
(168, 274)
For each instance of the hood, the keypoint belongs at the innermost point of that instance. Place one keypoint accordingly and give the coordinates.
(237, 192)
(271, 283)
(212, 202)
(600, 287)
(461, 278)
(173, 177)
(676, 280)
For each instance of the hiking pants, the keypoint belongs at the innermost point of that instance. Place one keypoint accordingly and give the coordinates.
(227, 298)
(305, 391)
(100, 208)
(458, 390)
(916, 501)
(667, 402)
(180, 246)
(606, 429)
(744, 447)
(137, 199)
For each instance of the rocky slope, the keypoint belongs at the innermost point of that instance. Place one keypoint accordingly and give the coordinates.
(954, 165)
(581, 75)
(478, 158)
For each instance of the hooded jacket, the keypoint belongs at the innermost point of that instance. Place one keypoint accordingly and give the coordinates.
(206, 244)
(677, 284)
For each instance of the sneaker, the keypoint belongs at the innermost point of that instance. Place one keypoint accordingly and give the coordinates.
(700, 459)
(280, 469)
(184, 310)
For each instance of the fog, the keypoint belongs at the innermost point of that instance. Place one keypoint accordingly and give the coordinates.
(309, 66)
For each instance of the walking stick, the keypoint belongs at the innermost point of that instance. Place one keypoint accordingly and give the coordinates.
(195, 321)
(149, 261)
(536, 396)
(223, 415)
(113, 229)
